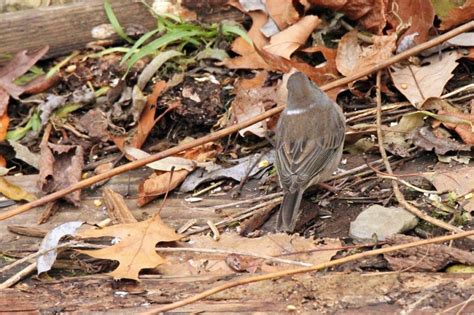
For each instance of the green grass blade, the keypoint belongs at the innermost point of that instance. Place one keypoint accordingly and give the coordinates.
(114, 21)
(137, 44)
(158, 43)
(232, 28)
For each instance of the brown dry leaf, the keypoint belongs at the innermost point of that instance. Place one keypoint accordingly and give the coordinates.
(465, 131)
(395, 137)
(159, 182)
(429, 140)
(348, 53)
(95, 124)
(371, 14)
(194, 263)
(14, 192)
(282, 12)
(136, 247)
(352, 58)
(4, 122)
(375, 20)
(418, 83)
(329, 67)
(147, 120)
(286, 42)
(419, 14)
(249, 58)
(458, 15)
(60, 167)
(18, 65)
(251, 100)
(459, 180)
(42, 83)
(316, 74)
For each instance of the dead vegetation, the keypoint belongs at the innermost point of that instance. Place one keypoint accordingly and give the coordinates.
(149, 161)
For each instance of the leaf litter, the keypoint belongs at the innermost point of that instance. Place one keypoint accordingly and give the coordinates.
(139, 99)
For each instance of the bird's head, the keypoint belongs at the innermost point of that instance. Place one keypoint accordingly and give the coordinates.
(302, 92)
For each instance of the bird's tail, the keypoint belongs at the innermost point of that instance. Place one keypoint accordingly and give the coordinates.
(289, 210)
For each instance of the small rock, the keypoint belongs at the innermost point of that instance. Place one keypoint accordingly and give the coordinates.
(380, 222)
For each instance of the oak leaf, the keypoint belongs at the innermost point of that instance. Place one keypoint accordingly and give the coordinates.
(135, 249)
(418, 83)
(286, 42)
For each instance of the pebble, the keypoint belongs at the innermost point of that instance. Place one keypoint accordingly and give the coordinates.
(378, 222)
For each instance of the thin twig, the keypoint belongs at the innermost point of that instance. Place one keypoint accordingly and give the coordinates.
(241, 202)
(276, 275)
(228, 252)
(33, 256)
(396, 189)
(239, 215)
(18, 276)
(231, 129)
(461, 306)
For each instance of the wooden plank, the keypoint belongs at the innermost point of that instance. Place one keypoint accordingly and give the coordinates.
(65, 28)
(175, 212)
(68, 27)
(334, 293)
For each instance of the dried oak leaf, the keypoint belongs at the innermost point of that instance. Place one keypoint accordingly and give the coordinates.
(459, 180)
(286, 42)
(352, 58)
(135, 249)
(425, 138)
(251, 100)
(464, 130)
(419, 14)
(316, 74)
(371, 14)
(282, 12)
(60, 167)
(249, 58)
(418, 83)
(328, 68)
(457, 15)
(18, 65)
(304, 249)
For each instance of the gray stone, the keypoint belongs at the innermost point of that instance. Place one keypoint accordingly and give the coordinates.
(378, 222)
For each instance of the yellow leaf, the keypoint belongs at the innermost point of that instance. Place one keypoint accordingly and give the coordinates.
(14, 192)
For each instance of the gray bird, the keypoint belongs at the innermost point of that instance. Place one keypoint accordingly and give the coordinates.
(309, 142)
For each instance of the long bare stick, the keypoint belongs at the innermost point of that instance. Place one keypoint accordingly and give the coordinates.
(396, 189)
(275, 275)
(229, 130)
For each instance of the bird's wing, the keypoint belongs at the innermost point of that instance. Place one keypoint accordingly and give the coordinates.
(303, 158)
